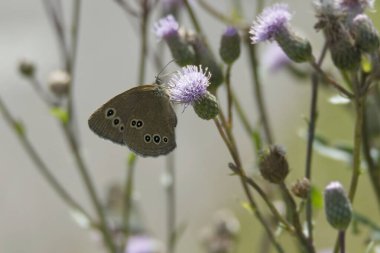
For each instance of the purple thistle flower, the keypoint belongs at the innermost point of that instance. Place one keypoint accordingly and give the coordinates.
(143, 244)
(166, 27)
(270, 22)
(189, 85)
(357, 6)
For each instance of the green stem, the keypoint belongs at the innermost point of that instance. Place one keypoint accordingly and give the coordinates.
(171, 203)
(259, 97)
(229, 96)
(231, 144)
(127, 200)
(307, 244)
(83, 171)
(41, 166)
(144, 42)
(193, 18)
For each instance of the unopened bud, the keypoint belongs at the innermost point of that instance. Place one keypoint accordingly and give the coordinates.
(59, 83)
(295, 47)
(273, 165)
(365, 34)
(205, 58)
(301, 188)
(230, 45)
(337, 206)
(207, 107)
(27, 68)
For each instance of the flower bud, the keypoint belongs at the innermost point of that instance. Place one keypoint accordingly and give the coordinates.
(273, 165)
(27, 68)
(205, 58)
(296, 48)
(59, 83)
(301, 188)
(230, 45)
(365, 34)
(180, 50)
(337, 206)
(206, 107)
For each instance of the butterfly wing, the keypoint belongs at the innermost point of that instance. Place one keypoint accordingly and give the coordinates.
(150, 128)
(109, 120)
(141, 118)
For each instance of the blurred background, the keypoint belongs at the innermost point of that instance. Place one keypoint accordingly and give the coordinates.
(34, 219)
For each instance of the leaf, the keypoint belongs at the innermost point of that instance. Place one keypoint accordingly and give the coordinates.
(247, 206)
(60, 114)
(341, 152)
(19, 127)
(316, 198)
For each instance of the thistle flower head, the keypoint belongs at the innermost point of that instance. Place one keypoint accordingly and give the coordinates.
(270, 22)
(166, 27)
(189, 84)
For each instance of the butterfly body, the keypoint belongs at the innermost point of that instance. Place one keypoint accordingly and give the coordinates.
(141, 118)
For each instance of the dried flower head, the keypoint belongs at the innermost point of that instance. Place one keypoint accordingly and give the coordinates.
(27, 68)
(270, 22)
(59, 82)
(301, 188)
(273, 164)
(189, 85)
(166, 27)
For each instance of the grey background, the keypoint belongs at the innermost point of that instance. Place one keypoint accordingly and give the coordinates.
(32, 217)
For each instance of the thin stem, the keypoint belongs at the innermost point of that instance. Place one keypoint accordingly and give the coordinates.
(83, 171)
(229, 95)
(193, 18)
(231, 144)
(41, 166)
(307, 244)
(373, 170)
(127, 200)
(259, 97)
(144, 41)
(71, 62)
(342, 235)
(171, 203)
(222, 17)
(310, 141)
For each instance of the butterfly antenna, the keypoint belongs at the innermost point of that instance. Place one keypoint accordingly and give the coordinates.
(158, 79)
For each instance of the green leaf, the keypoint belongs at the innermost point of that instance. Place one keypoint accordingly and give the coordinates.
(80, 218)
(19, 128)
(257, 140)
(247, 206)
(316, 197)
(61, 114)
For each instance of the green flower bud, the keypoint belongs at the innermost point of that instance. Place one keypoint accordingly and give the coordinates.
(230, 45)
(365, 34)
(205, 58)
(295, 47)
(27, 68)
(273, 165)
(207, 107)
(337, 206)
(180, 50)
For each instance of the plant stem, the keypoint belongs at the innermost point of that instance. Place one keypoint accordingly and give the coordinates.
(193, 18)
(259, 97)
(373, 170)
(229, 96)
(231, 144)
(342, 241)
(41, 166)
(310, 140)
(83, 171)
(144, 42)
(307, 244)
(127, 200)
(171, 203)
